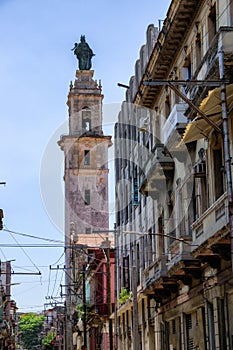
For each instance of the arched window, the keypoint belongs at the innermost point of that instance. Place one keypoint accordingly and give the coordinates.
(86, 119)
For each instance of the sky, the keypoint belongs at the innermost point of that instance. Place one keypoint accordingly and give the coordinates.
(36, 67)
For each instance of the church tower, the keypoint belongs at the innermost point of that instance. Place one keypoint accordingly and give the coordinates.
(86, 158)
(86, 171)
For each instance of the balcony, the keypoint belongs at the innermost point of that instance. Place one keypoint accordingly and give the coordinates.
(210, 233)
(179, 251)
(153, 275)
(175, 124)
(213, 220)
(157, 283)
(158, 171)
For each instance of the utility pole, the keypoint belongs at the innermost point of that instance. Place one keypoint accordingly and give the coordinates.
(109, 302)
(68, 303)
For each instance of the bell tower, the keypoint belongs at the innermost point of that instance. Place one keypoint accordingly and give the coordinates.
(86, 170)
(86, 158)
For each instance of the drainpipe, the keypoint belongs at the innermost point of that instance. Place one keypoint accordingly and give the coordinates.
(226, 142)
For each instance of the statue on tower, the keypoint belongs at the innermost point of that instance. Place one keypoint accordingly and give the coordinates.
(84, 54)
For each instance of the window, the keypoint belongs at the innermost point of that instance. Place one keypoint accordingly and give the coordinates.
(118, 213)
(199, 171)
(86, 157)
(171, 221)
(88, 230)
(212, 29)
(198, 49)
(138, 263)
(173, 326)
(149, 246)
(161, 232)
(126, 272)
(87, 197)
(187, 69)
(191, 213)
(86, 119)
(135, 191)
(189, 321)
(143, 313)
(218, 173)
(143, 247)
(211, 331)
(167, 106)
(189, 332)
(218, 165)
(123, 324)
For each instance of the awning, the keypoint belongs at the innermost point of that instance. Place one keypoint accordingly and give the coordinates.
(211, 106)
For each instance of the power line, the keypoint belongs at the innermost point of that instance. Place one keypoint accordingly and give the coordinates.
(54, 285)
(32, 245)
(32, 236)
(25, 253)
(59, 286)
(49, 282)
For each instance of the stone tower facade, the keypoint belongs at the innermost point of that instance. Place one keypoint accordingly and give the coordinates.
(86, 171)
(86, 158)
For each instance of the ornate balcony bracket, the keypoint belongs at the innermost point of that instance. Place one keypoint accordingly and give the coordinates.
(186, 270)
(222, 248)
(161, 289)
(183, 277)
(212, 259)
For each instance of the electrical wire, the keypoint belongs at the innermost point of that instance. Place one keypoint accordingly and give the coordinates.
(28, 266)
(25, 253)
(58, 290)
(3, 254)
(25, 291)
(18, 245)
(49, 282)
(54, 285)
(32, 236)
(30, 282)
(58, 259)
(31, 307)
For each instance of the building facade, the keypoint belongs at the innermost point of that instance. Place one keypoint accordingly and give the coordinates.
(173, 148)
(85, 150)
